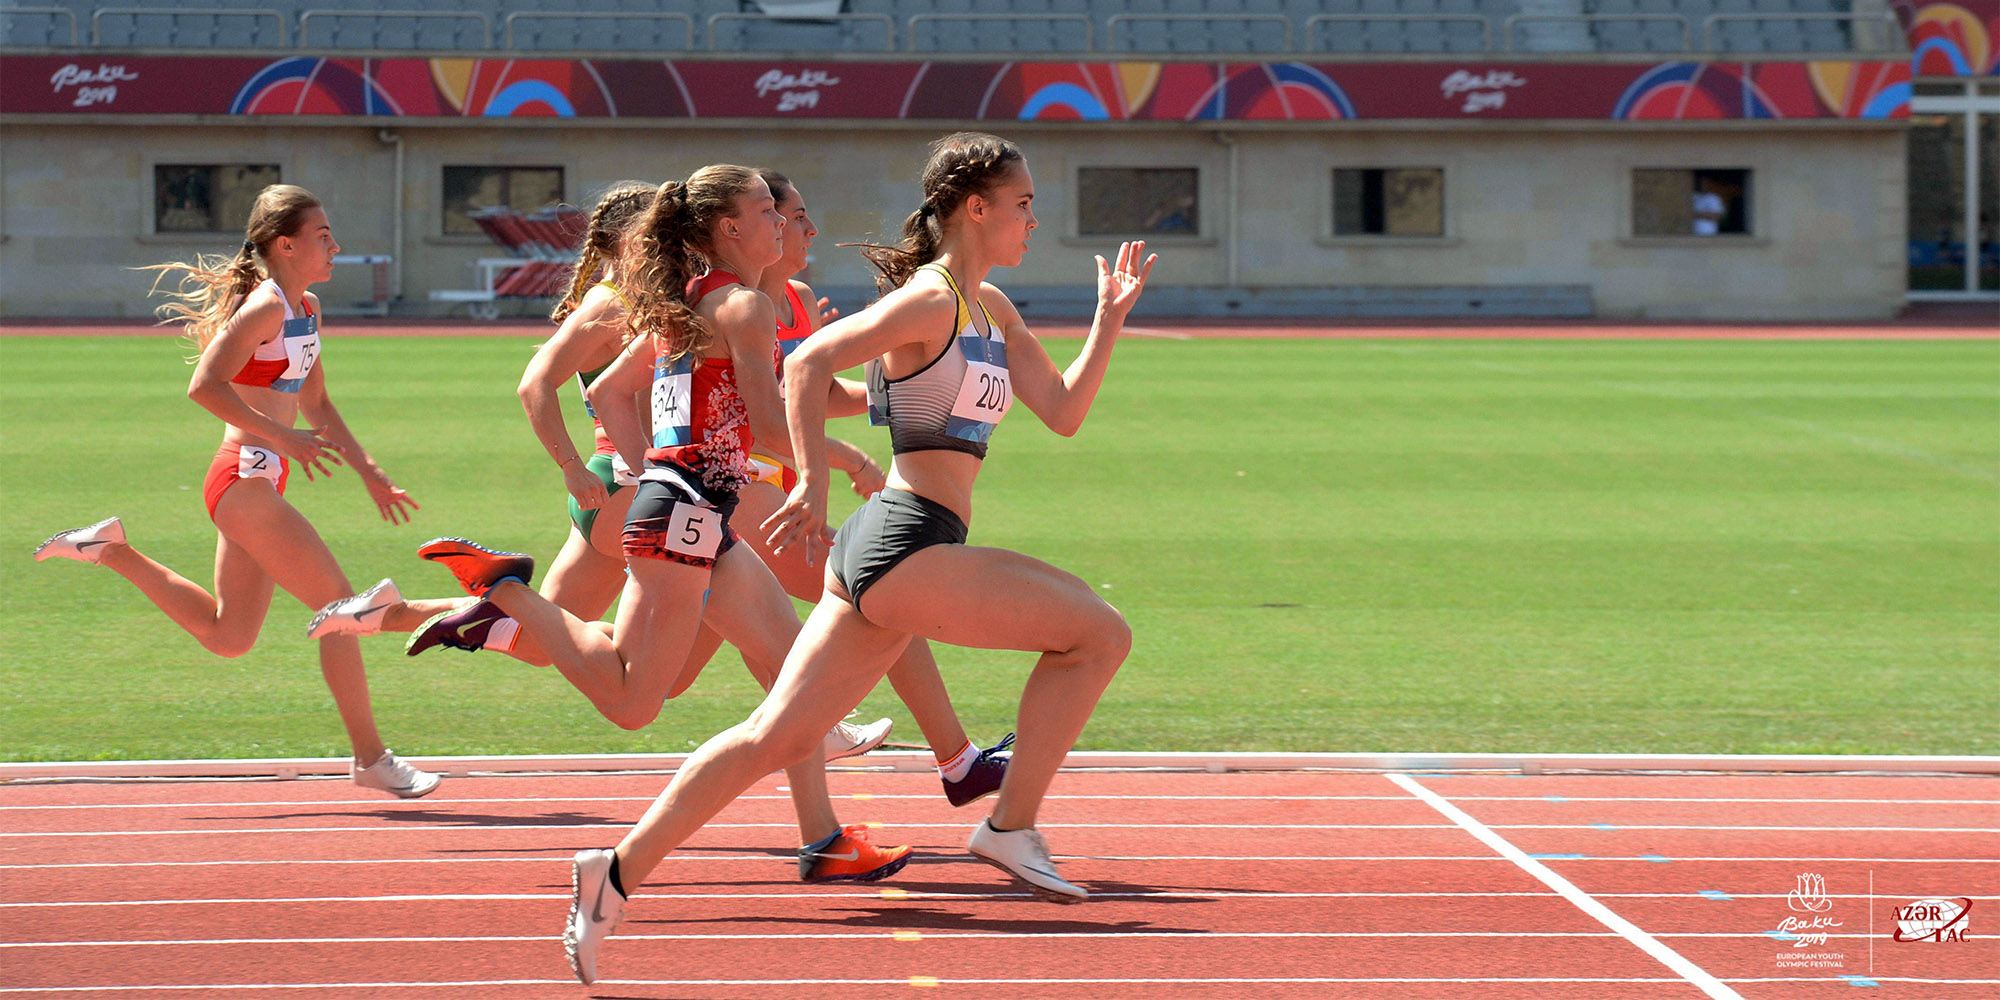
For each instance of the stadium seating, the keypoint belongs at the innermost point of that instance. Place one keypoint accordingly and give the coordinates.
(1167, 28)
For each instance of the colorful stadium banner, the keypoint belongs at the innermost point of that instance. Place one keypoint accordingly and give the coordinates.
(962, 91)
(1952, 39)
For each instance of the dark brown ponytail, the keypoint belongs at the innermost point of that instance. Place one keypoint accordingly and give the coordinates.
(961, 165)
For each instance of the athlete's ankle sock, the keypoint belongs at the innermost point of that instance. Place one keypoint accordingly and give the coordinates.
(613, 876)
(960, 763)
(995, 829)
(502, 636)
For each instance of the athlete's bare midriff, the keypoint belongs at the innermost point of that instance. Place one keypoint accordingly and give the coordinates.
(943, 477)
(281, 407)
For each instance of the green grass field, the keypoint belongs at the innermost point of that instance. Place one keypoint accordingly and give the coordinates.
(1412, 545)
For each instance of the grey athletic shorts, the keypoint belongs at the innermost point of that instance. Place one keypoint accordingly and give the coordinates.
(889, 528)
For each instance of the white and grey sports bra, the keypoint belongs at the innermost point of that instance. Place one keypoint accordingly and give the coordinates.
(953, 403)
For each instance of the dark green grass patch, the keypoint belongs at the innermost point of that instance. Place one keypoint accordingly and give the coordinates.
(1650, 546)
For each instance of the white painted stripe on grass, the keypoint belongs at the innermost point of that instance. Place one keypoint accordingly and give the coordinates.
(1583, 901)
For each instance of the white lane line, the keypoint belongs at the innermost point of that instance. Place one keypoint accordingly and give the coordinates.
(907, 981)
(840, 797)
(437, 822)
(1672, 959)
(901, 936)
(1612, 826)
(866, 796)
(930, 981)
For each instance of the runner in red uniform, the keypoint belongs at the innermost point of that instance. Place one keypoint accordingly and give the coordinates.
(257, 331)
(702, 353)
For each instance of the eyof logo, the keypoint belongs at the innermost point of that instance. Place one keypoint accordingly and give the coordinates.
(1935, 919)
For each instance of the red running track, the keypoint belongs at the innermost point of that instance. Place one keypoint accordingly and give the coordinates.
(1312, 884)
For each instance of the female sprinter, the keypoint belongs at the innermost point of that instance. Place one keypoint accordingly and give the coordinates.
(968, 772)
(705, 356)
(590, 570)
(943, 374)
(258, 370)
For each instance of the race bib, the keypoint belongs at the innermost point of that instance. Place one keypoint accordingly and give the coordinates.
(301, 337)
(985, 395)
(673, 409)
(694, 530)
(258, 463)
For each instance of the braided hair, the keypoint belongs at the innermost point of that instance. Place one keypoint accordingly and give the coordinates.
(666, 248)
(961, 165)
(212, 287)
(601, 240)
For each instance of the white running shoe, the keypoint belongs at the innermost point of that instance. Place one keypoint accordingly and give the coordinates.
(594, 908)
(1024, 855)
(83, 544)
(847, 740)
(394, 775)
(361, 614)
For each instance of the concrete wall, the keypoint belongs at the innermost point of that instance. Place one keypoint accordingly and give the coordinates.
(1523, 207)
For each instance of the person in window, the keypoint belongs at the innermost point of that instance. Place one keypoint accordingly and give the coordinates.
(1708, 207)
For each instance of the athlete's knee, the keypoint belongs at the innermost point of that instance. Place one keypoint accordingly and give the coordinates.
(632, 715)
(776, 745)
(1104, 638)
(228, 647)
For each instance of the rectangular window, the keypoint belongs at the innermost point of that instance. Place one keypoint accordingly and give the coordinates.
(1138, 201)
(207, 198)
(1680, 202)
(1388, 202)
(523, 189)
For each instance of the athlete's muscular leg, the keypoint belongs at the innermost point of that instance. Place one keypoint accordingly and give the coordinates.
(991, 598)
(225, 624)
(254, 517)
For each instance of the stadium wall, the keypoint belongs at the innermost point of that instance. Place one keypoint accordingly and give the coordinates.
(1537, 205)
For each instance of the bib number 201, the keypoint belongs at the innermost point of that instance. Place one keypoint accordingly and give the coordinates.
(984, 396)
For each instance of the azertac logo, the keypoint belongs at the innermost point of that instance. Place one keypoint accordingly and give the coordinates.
(1935, 919)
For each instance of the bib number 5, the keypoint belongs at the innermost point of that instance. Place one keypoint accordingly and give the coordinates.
(694, 530)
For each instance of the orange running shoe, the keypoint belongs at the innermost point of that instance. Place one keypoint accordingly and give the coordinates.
(847, 856)
(477, 567)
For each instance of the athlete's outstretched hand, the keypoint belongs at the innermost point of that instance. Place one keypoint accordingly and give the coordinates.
(1118, 287)
(827, 313)
(309, 447)
(584, 485)
(800, 522)
(389, 498)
